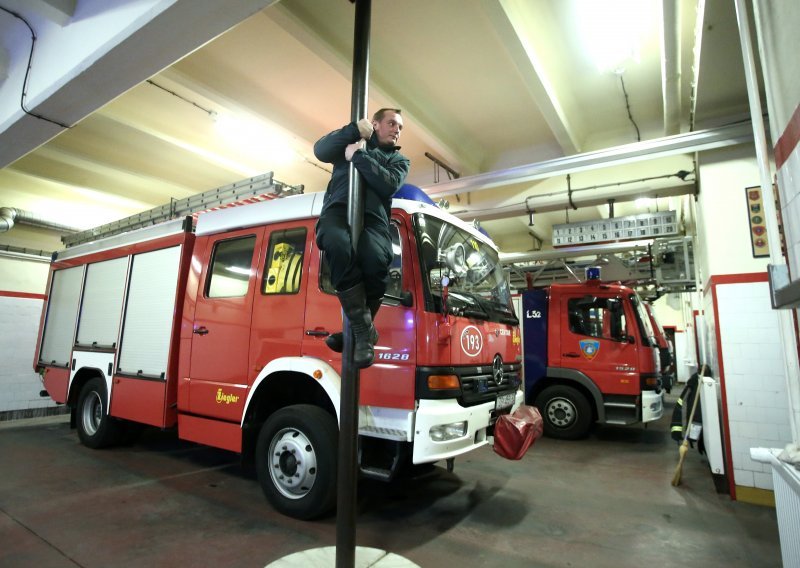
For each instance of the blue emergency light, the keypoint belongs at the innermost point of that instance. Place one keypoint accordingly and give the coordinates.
(593, 273)
(413, 193)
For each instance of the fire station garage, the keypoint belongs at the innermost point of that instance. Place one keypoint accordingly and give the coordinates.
(586, 352)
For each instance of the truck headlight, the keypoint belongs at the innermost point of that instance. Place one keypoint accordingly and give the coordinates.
(445, 432)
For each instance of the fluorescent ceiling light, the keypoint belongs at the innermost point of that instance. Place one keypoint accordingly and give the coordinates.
(613, 31)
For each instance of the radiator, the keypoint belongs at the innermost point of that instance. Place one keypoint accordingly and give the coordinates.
(712, 431)
(786, 481)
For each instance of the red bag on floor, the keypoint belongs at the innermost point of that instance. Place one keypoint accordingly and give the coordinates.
(515, 433)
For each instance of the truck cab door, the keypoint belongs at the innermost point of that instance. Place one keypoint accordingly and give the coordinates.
(218, 375)
(279, 301)
(396, 324)
(596, 340)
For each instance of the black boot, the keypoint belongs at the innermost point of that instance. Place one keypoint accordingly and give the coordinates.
(355, 309)
(335, 341)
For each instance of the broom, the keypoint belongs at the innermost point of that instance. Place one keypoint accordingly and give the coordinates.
(676, 478)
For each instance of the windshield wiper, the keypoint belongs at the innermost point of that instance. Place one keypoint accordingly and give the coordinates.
(507, 317)
(477, 314)
(476, 309)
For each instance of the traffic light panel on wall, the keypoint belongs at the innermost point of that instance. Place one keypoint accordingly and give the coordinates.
(758, 224)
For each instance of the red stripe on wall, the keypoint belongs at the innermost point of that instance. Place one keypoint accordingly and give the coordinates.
(713, 282)
(788, 140)
(743, 278)
(723, 392)
(23, 295)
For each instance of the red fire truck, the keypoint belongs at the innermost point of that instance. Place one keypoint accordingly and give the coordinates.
(589, 356)
(220, 330)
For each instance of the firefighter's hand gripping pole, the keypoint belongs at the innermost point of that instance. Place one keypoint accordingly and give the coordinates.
(348, 402)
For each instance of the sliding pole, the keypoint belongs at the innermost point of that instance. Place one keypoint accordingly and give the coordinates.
(346, 498)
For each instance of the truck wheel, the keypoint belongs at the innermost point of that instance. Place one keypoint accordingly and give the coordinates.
(296, 461)
(566, 412)
(96, 429)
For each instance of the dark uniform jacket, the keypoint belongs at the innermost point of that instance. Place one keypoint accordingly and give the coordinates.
(681, 414)
(383, 170)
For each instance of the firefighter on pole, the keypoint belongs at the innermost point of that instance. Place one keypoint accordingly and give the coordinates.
(360, 275)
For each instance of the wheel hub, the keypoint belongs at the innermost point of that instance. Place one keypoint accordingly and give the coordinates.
(561, 412)
(92, 413)
(293, 463)
(288, 463)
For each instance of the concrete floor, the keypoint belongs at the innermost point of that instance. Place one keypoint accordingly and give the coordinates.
(605, 501)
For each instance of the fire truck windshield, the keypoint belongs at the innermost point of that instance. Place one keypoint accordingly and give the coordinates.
(467, 268)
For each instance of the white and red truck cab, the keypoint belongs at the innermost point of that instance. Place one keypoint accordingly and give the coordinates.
(589, 357)
(220, 330)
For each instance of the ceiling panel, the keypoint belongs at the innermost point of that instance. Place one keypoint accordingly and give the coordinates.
(484, 85)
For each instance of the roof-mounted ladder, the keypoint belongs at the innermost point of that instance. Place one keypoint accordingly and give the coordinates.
(251, 190)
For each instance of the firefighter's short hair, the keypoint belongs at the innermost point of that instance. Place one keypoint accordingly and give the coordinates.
(379, 115)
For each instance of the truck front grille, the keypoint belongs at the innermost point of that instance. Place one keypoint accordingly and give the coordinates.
(481, 387)
(479, 384)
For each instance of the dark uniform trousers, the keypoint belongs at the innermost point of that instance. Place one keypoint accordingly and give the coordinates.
(369, 264)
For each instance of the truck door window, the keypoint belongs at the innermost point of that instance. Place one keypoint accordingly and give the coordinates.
(602, 318)
(231, 263)
(643, 321)
(394, 287)
(284, 267)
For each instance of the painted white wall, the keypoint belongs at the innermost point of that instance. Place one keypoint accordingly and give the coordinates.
(17, 275)
(778, 37)
(22, 276)
(19, 384)
(675, 310)
(669, 311)
(748, 329)
(776, 31)
(778, 41)
(755, 379)
(19, 320)
(723, 227)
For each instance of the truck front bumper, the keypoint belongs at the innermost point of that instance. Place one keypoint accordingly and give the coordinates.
(436, 415)
(652, 405)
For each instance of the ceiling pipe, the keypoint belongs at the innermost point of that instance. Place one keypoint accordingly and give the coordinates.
(9, 216)
(671, 67)
(687, 142)
(580, 197)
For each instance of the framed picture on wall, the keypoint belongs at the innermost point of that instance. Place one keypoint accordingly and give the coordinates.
(757, 221)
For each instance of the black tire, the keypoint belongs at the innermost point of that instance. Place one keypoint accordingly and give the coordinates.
(296, 461)
(96, 429)
(566, 412)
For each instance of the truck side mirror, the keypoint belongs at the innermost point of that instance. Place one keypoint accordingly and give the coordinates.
(406, 299)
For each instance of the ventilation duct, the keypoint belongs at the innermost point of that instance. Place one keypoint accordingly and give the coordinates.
(10, 216)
